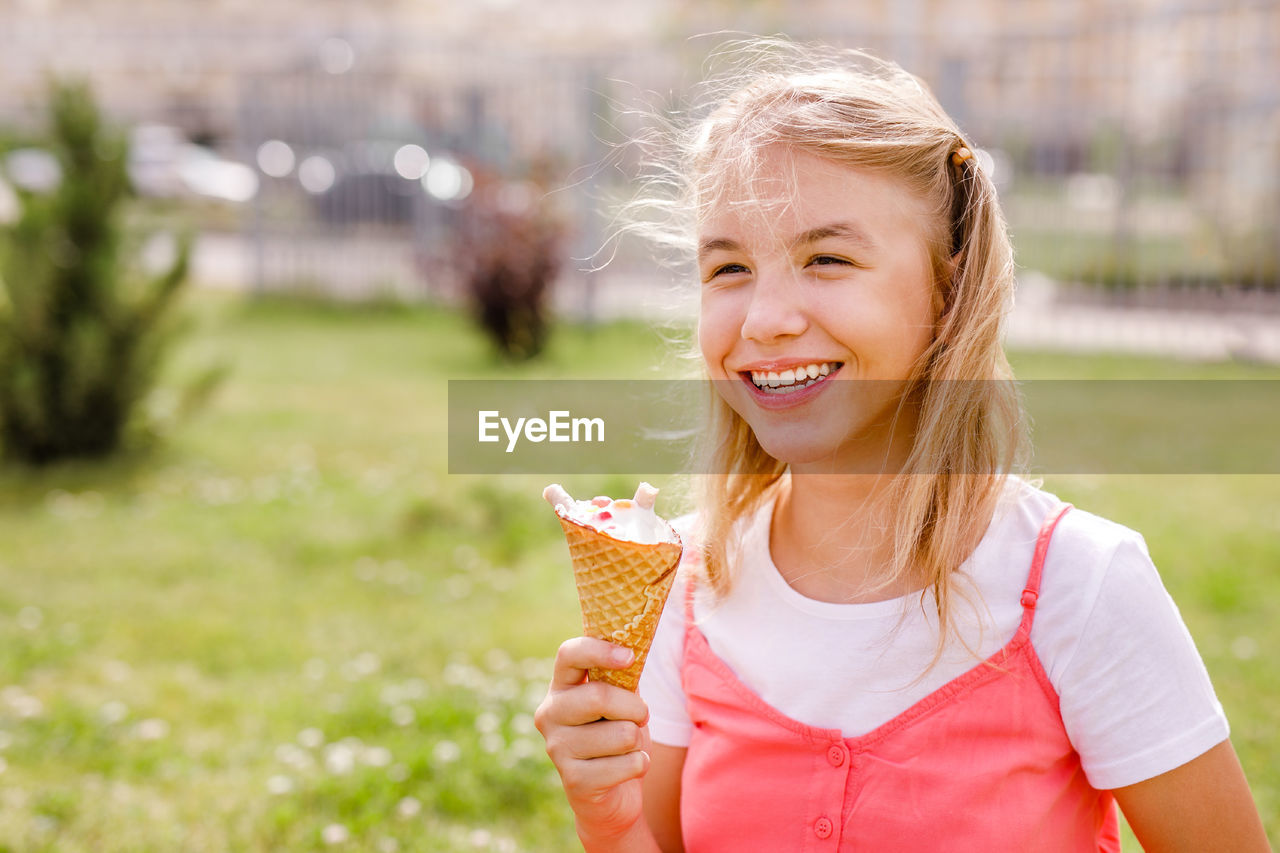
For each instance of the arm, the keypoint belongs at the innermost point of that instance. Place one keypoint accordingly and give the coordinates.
(1203, 805)
(662, 795)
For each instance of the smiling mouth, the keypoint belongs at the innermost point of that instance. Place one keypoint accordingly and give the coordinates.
(793, 380)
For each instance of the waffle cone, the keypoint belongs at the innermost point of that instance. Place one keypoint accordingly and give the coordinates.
(622, 587)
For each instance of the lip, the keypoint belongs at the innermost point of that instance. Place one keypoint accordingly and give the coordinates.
(791, 400)
(789, 364)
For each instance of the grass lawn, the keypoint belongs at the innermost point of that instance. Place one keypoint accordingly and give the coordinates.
(291, 628)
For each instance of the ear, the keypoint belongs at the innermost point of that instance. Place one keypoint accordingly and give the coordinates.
(951, 267)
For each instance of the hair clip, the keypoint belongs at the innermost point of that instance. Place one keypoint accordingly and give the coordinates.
(960, 155)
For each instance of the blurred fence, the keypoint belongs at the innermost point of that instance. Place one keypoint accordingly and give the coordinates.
(368, 172)
(1111, 173)
(370, 175)
(1136, 146)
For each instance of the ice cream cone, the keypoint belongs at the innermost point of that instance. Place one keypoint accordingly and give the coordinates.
(622, 587)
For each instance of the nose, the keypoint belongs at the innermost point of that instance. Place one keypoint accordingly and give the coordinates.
(776, 310)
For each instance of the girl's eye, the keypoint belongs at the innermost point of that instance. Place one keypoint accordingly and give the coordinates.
(727, 269)
(826, 260)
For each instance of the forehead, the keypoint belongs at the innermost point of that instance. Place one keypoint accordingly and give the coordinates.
(786, 190)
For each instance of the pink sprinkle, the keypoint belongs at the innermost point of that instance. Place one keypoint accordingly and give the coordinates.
(605, 514)
(601, 500)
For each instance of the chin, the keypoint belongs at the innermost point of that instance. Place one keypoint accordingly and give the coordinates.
(796, 445)
(807, 446)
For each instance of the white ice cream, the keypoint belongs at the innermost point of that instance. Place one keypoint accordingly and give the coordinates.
(628, 519)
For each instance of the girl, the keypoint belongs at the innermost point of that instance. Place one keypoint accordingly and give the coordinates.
(880, 639)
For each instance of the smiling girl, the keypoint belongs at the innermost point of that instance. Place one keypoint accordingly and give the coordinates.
(882, 640)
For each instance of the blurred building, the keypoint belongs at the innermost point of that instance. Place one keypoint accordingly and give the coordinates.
(189, 64)
(1120, 102)
(1147, 64)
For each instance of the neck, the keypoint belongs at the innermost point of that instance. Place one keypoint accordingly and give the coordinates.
(832, 537)
(833, 525)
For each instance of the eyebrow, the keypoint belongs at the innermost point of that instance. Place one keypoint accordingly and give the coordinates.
(843, 230)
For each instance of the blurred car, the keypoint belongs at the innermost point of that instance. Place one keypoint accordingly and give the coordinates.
(163, 163)
(382, 181)
(366, 186)
(205, 174)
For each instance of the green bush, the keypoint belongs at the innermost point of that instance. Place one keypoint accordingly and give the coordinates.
(509, 250)
(82, 333)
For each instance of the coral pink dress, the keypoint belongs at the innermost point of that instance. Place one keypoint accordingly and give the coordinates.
(981, 764)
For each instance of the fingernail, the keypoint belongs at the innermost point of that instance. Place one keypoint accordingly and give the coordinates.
(623, 656)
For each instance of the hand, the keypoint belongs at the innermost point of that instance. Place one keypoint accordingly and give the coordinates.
(597, 739)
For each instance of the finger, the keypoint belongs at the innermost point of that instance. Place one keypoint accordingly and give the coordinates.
(602, 739)
(592, 776)
(597, 700)
(579, 654)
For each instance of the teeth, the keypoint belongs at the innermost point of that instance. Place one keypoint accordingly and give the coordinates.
(798, 376)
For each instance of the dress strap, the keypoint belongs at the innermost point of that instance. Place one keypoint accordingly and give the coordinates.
(1032, 591)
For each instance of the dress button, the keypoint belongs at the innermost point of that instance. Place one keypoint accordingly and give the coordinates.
(835, 755)
(822, 827)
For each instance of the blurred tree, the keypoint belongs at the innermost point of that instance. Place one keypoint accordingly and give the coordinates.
(509, 250)
(82, 333)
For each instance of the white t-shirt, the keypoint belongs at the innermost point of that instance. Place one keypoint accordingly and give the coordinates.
(1136, 699)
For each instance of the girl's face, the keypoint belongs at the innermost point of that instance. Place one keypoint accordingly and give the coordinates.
(803, 297)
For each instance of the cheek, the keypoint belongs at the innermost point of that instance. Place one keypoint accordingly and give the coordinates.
(706, 343)
(718, 329)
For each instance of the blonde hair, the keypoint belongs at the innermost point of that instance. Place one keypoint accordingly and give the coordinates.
(860, 111)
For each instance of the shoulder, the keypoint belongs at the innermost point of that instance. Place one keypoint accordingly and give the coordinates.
(1089, 560)
(1088, 554)
(1098, 583)
(1082, 552)
(1134, 694)
(1098, 577)
(1080, 538)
